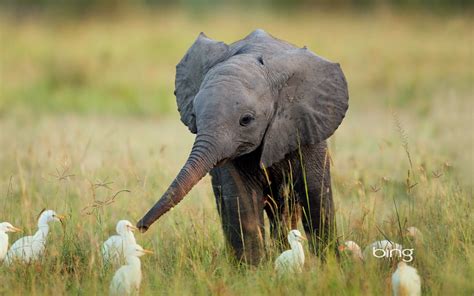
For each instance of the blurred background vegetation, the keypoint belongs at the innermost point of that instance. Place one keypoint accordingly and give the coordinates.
(118, 57)
(81, 6)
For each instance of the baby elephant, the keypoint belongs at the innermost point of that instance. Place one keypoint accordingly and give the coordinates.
(261, 110)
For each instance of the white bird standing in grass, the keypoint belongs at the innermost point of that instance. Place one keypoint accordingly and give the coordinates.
(113, 249)
(406, 281)
(30, 248)
(353, 249)
(127, 278)
(291, 260)
(4, 228)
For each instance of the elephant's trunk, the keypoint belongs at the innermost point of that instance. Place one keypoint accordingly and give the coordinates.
(202, 159)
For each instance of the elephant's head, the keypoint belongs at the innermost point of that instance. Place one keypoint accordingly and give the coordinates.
(259, 92)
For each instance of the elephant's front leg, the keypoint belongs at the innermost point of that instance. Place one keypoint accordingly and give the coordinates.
(315, 195)
(241, 211)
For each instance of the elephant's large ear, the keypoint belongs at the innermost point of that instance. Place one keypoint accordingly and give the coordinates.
(200, 57)
(311, 101)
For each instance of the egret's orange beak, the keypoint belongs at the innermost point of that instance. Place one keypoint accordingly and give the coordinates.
(14, 229)
(341, 248)
(132, 228)
(61, 217)
(147, 251)
(303, 238)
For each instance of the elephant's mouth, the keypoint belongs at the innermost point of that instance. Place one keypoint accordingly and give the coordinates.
(222, 162)
(245, 148)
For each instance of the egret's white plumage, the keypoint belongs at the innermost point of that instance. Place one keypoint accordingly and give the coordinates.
(4, 228)
(30, 248)
(384, 245)
(353, 249)
(114, 248)
(406, 281)
(127, 278)
(291, 260)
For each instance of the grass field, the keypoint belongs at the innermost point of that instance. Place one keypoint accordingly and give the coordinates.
(85, 103)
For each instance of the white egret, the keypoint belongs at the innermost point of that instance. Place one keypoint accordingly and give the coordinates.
(406, 281)
(114, 247)
(291, 260)
(127, 278)
(353, 249)
(30, 248)
(4, 228)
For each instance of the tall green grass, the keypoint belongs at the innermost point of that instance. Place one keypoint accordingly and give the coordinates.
(63, 163)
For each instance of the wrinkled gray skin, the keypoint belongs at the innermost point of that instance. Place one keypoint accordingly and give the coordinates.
(251, 105)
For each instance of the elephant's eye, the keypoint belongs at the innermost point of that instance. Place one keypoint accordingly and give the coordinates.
(246, 119)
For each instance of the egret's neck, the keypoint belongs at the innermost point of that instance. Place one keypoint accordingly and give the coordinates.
(130, 237)
(4, 236)
(297, 249)
(134, 262)
(43, 229)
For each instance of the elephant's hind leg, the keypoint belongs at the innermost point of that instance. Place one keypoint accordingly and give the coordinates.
(241, 211)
